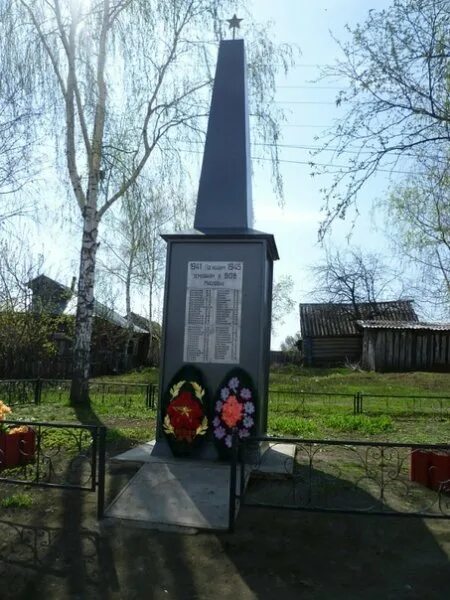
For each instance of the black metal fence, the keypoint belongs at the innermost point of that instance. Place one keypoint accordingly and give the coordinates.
(298, 402)
(54, 455)
(304, 403)
(46, 391)
(377, 404)
(336, 476)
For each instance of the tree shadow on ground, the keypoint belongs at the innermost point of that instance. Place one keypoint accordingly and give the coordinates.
(272, 554)
(338, 555)
(75, 557)
(61, 550)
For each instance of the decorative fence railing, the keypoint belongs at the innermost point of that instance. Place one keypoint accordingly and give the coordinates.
(304, 403)
(47, 391)
(54, 455)
(345, 477)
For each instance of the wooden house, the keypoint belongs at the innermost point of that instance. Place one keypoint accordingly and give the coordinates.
(112, 350)
(147, 353)
(331, 336)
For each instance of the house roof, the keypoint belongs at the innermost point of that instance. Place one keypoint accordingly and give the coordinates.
(339, 319)
(409, 325)
(142, 322)
(70, 304)
(101, 311)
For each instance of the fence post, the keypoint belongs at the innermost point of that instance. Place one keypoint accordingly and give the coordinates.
(37, 391)
(233, 467)
(153, 394)
(355, 403)
(101, 432)
(360, 403)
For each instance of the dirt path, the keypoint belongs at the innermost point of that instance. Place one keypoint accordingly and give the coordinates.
(56, 550)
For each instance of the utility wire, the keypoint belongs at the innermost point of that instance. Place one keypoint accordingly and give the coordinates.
(304, 102)
(314, 148)
(312, 163)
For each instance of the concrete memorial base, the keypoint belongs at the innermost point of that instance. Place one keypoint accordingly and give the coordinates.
(170, 492)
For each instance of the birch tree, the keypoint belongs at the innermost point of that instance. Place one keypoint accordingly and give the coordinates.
(418, 217)
(118, 70)
(15, 144)
(134, 252)
(395, 74)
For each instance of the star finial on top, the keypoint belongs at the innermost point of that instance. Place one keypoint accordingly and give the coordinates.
(234, 23)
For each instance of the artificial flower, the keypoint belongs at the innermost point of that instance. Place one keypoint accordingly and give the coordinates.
(231, 411)
(21, 429)
(219, 432)
(249, 408)
(185, 412)
(233, 383)
(248, 421)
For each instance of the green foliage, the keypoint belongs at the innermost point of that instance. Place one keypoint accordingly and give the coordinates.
(145, 375)
(395, 97)
(345, 380)
(358, 423)
(387, 418)
(288, 425)
(133, 435)
(26, 334)
(70, 439)
(418, 216)
(326, 426)
(18, 500)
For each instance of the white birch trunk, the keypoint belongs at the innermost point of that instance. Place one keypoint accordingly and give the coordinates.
(128, 309)
(150, 326)
(85, 309)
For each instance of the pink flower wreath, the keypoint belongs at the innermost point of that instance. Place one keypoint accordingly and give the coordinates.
(234, 408)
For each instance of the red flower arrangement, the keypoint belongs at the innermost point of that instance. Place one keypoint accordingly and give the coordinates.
(185, 417)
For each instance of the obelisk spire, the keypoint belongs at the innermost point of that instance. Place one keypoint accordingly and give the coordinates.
(224, 196)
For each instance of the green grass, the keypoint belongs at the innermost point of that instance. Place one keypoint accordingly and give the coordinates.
(128, 420)
(359, 423)
(330, 426)
(294, 426)
(345, 380)
(18, 500)
(318, 415)
(146, 375)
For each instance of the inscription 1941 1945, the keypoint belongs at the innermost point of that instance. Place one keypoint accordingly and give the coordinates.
(213, 312)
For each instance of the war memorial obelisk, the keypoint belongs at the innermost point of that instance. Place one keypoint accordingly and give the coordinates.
(218, 289)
